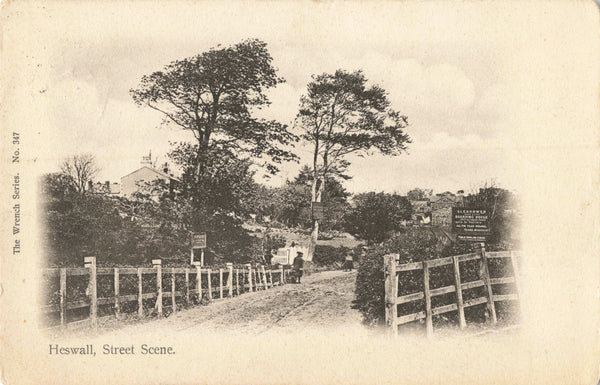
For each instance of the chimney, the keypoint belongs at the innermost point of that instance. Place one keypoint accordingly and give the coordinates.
(166, 168)
(146, 160)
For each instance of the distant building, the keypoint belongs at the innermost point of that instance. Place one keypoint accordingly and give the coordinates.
(441, 208)
(145, 176)
(106, 188)
(421, 211)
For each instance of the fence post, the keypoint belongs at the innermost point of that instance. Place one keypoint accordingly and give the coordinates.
(199, 282)
(220, 283)
(258, 283)
(117, 305)
(187, 286)
(237, 281)
(282, 277)
(230, 278)
(140, 296)
(90, 263)
(264, 277)
(157, 263)
(391, 293)
(63, 296)
(271, 276)
(173, 296)
(459, 297)
(485, 276)
(209, 273)
(249, 277)
(428, 313)
(243, 282)
(513, 261)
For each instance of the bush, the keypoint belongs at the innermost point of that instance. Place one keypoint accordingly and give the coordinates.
(413, 245)
(376, 215)
(330, 256)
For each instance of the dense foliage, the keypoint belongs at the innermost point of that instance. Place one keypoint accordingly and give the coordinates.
(415, 245)
(419, 194)
(131, 231)
(290, 203)
(376, 215)
(330, 256)
(115, 230)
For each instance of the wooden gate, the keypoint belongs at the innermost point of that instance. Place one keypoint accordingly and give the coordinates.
(393, 270)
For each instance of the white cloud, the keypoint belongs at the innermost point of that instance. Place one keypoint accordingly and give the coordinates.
(285, 100)
(412, 86)
(494, 101)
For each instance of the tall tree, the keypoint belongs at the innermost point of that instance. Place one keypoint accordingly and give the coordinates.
(213, 94)
(79, 170)
(341, 115)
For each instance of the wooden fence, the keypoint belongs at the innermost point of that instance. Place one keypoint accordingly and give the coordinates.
(195, 284)
(393, 271)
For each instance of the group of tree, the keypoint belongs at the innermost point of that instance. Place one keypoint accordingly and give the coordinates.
(215, 95)
(290, 204)
(376, 216)
(419, 194)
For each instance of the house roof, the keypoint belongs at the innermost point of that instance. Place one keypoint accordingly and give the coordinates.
(445, 197)
(153, 170)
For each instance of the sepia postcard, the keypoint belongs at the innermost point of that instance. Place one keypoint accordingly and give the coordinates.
(300, 192)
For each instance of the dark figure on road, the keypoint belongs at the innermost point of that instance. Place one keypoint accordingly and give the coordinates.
(348, 263)
(298, 266)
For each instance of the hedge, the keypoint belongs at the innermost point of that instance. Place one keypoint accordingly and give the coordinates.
(415, 245)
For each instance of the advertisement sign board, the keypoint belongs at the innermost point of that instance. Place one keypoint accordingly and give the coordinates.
(317, 211)
(470, 224)
(199, 241)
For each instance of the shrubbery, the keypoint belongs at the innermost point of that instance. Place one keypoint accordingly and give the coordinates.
(414, 245)
(330, 256)
(120, 231)
(377, 215)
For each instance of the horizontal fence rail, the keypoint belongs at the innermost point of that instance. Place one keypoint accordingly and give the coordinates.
(158, 289)
(393, 284)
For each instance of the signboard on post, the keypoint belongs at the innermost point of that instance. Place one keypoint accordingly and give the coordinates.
(470, 224)
(198, 242)
(317, 211)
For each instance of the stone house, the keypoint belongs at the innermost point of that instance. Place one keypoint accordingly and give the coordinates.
(441, 208)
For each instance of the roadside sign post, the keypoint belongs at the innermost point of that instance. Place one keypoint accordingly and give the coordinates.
(471, 224)
(198, 242)
(317, 211)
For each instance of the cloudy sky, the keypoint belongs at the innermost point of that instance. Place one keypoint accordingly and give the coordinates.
(459, 83)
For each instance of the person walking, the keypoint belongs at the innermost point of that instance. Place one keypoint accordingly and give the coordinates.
(348, 263)
(298, 266)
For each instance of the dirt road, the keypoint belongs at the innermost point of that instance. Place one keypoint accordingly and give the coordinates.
(322, 301)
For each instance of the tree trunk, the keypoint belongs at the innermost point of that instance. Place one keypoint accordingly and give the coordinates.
(317, 193)
(316, 197)
(314, 234)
